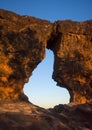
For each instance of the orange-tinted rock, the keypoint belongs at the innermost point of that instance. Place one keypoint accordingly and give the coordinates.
(22, 46)
(71, 43)
(23, 41)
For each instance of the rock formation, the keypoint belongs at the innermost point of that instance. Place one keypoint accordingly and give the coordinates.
(23, 41)
(71, 43)
(22, 46)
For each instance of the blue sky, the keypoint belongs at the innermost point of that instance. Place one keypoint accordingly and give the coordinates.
(41, 89)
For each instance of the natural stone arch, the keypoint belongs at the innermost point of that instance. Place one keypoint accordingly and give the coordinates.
(23, 41)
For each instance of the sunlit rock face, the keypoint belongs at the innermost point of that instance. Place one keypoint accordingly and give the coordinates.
(22, 46)
(23, 41)
(71, 43)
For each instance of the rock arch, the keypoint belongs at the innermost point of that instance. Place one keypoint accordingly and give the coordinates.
(23, 40)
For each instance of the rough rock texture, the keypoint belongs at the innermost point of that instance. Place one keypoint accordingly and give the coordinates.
(26, 116)
(71, 43)
(22, 46)
(23, 41)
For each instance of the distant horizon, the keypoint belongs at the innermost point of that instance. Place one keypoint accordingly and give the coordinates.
(41, 88)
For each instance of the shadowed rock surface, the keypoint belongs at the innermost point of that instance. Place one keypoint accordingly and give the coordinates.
(23, 41)
(26, 116)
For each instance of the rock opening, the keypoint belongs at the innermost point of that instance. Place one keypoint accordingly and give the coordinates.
(41, 88)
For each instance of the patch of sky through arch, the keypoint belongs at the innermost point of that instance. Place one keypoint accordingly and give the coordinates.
(41, 89)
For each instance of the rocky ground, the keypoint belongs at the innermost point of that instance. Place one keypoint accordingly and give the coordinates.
(26, 116)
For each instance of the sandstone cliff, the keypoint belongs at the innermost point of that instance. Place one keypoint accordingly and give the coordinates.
(23, 41)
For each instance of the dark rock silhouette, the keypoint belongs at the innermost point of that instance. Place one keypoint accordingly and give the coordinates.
(23, 41)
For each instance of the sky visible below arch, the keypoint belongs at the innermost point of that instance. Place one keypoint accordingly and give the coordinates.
(41, 88)
(52, 10)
